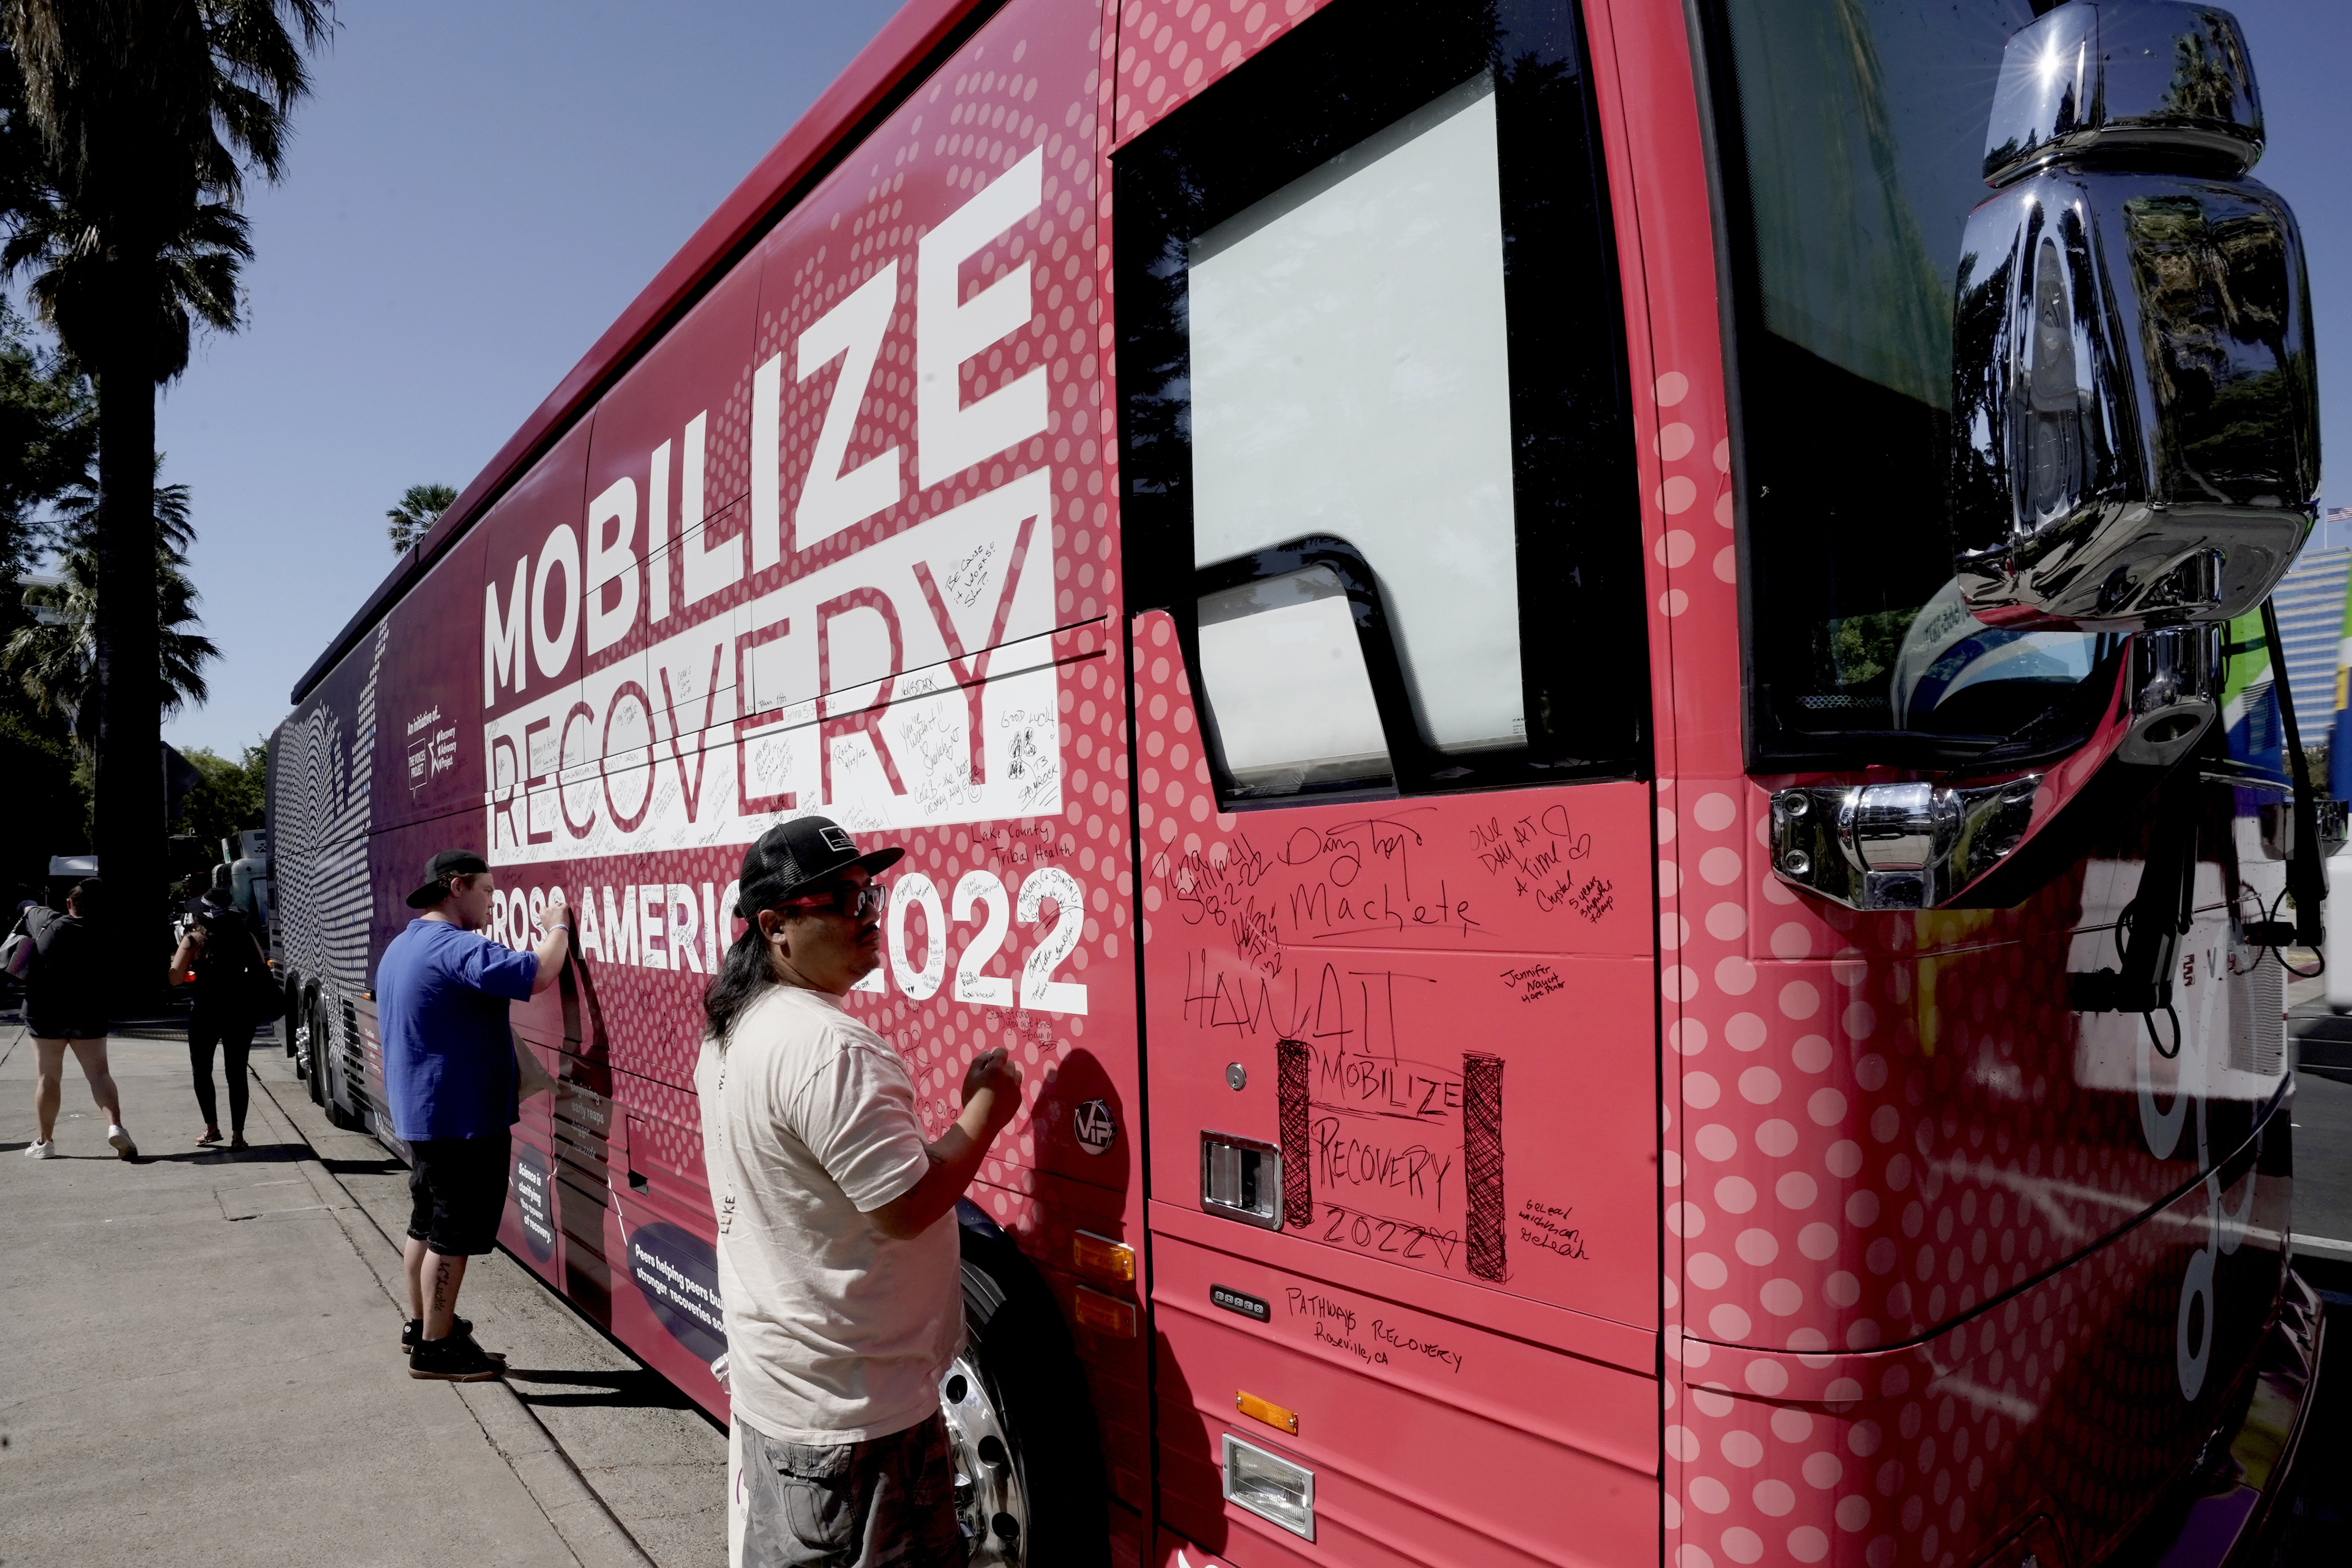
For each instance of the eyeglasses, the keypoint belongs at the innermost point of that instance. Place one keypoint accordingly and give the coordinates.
(846, 900)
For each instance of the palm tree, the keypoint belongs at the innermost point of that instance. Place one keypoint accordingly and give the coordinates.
(150, 113)
(420, 508)
(55, 658)
(74, 514)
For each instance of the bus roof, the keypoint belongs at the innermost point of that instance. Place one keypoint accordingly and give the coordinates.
(920, 29)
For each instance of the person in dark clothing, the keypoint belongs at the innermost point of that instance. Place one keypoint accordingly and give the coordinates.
(64, 1007)
(218, 956)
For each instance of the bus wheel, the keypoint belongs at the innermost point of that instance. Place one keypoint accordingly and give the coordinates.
(323, 1078)
(1021, 1429)
(314, 1051)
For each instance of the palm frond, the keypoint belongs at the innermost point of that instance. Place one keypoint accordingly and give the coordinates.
(149, 117)
(420, 508)
(55, 659)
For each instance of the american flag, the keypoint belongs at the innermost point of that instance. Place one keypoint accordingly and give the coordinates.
(2339, 514)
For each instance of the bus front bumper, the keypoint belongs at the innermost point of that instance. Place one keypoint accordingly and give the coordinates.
(2226, 1510)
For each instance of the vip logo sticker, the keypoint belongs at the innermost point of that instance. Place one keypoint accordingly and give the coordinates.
(1093, 1126)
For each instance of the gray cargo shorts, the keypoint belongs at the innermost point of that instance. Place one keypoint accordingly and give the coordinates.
(888, 1500)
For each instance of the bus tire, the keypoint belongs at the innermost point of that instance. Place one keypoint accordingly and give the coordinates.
(1021, 1427)
(297, 1025)
(316, 1052)
(322, 1056)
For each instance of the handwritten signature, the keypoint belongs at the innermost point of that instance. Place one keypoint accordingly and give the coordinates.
(1535, 982)
(1546, 1226)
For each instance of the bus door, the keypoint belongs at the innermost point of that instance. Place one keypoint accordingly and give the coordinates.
(1393, 821)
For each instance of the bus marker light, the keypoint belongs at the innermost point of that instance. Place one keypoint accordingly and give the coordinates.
(1101, 1257)
(1103, 1314)
(1273, 1414)
(1270, 1487)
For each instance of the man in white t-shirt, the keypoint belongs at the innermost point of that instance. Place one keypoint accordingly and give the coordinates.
(837, 1251)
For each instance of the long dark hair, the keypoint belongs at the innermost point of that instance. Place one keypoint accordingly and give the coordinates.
(745, 973)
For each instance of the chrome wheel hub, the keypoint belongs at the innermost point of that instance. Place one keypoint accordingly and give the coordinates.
(991, 1505)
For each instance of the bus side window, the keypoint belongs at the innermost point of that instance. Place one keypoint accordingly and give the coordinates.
(1286, 687)
(1352, 376)
(1378, 455)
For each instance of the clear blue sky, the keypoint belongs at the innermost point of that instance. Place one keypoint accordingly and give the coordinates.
(476, 192)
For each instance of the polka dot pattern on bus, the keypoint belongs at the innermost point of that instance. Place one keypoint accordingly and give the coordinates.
(1169, 50)
(1870, 1137)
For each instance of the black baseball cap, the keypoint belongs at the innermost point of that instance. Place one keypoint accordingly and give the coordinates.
(439, 870)
(792, 857)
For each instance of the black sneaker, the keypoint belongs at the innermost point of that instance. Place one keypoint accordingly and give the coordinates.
(413, 1330)
(456, 1359)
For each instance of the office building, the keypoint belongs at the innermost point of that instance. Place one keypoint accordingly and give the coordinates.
(2310, 600)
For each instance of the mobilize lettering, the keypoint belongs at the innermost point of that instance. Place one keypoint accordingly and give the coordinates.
(792, 696)
(1387, 1087)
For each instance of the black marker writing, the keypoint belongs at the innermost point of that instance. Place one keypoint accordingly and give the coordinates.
(1386, 1333)
(1546, 1226)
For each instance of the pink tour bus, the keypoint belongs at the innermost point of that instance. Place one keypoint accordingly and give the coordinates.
(1587, 682)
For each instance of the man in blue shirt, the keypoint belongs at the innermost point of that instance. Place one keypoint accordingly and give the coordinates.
(441, 994)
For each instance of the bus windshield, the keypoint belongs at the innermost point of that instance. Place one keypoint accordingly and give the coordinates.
(1852, 135)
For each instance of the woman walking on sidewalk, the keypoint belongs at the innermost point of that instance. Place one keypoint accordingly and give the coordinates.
(65, 1006)
(219, 954)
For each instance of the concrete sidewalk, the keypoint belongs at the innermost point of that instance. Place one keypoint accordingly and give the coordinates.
(201, 1361)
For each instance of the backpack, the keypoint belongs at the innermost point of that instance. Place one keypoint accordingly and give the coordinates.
(29, 941)
(22, 950)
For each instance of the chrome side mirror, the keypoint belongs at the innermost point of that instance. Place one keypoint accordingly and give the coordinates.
(1921, 845)
(2135, 408)
(2140, 80)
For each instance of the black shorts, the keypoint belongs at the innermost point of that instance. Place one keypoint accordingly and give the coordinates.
(64, 1018)
(457, 1190)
